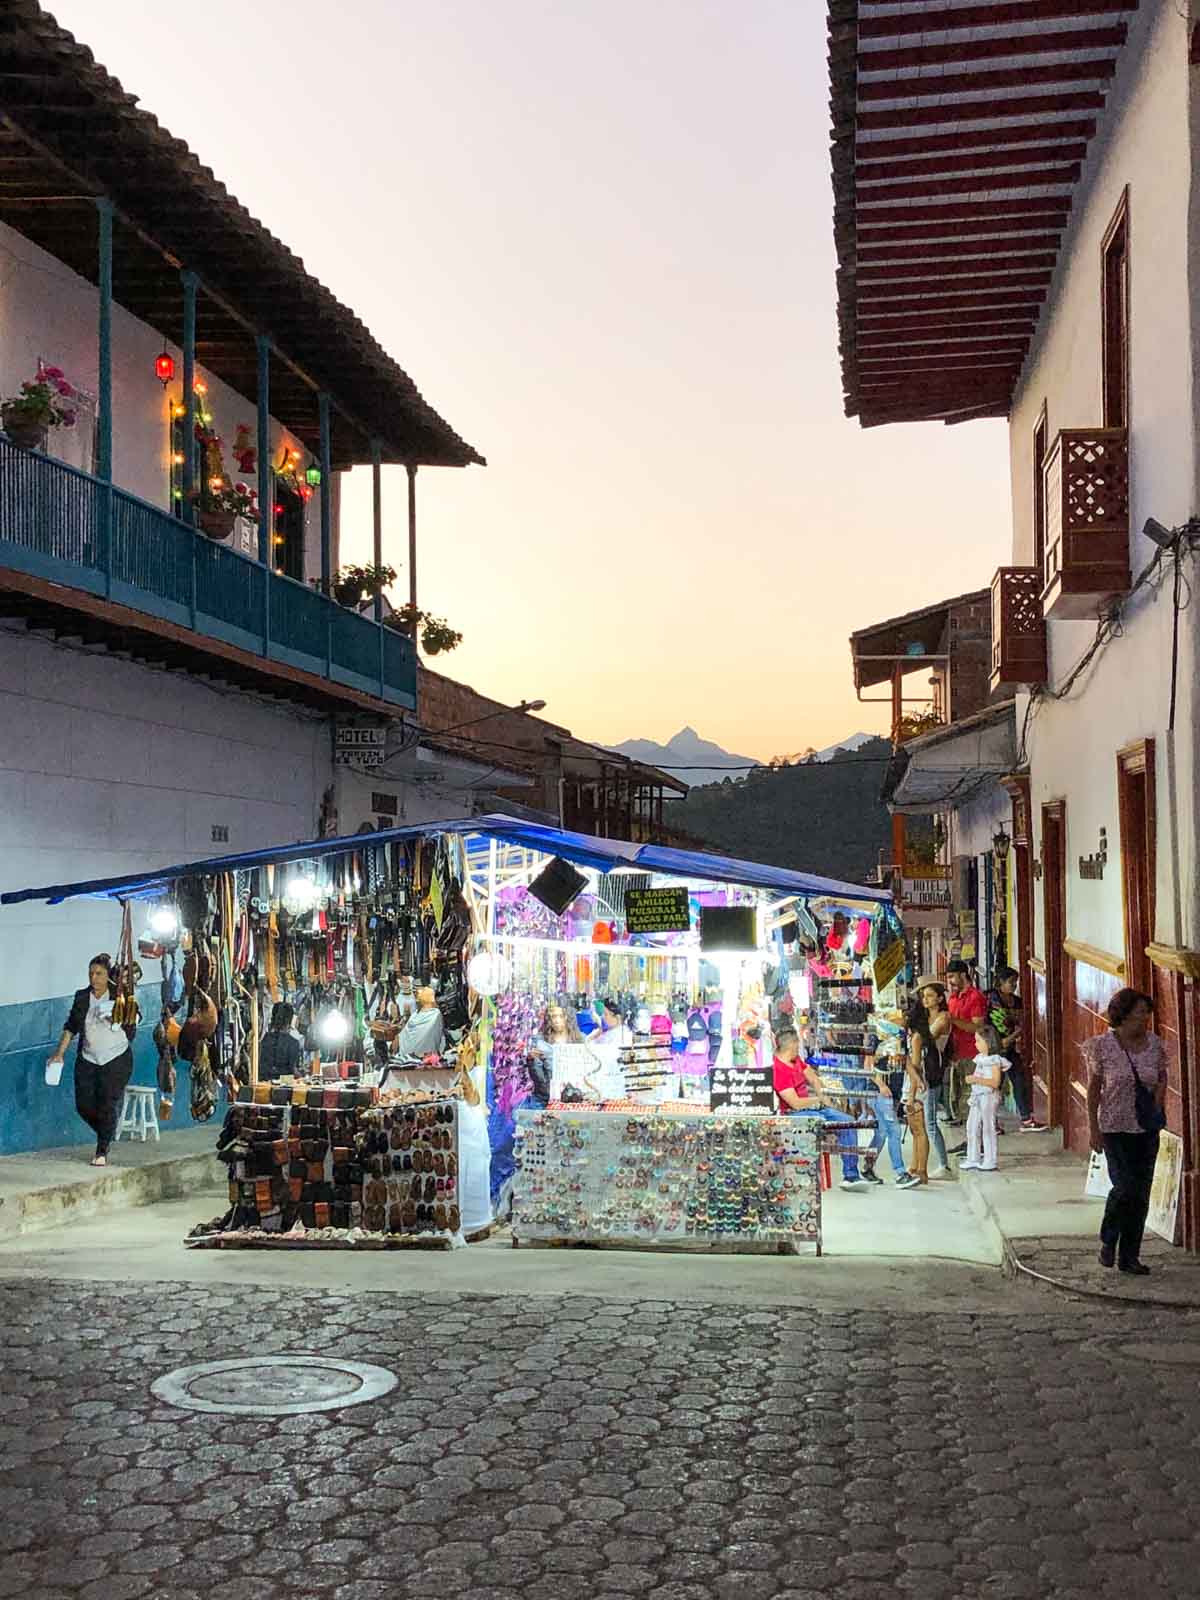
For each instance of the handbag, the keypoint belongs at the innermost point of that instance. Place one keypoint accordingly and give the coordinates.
(1150, 1118)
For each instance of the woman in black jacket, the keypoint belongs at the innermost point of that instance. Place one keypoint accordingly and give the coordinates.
(104, 1061)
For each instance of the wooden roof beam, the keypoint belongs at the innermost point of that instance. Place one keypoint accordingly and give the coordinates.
(887, 296)
(872, 171)
(952, 249)
(916, 86)
(876, 277)
(1014, 134)
(959, 111)
(926, 54)
(938, 183)
(987, 14)
(939, 300)
(870, 237)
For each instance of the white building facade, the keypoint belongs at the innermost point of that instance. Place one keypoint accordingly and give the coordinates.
(1017, 212)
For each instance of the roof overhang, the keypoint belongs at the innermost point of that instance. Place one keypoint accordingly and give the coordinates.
(959, 129)
(911, 642)
(946, 770)
(69, 133)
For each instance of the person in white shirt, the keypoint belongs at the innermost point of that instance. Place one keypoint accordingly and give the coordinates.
(985, 1078)
(606, 1045)
(104, 1062)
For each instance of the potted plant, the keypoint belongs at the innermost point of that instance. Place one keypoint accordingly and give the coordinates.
(435, 632)
(42, 403)
(351, 586)
(219, 505)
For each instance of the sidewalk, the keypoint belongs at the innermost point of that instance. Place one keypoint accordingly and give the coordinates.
(48, 1188)
(1049, 1229)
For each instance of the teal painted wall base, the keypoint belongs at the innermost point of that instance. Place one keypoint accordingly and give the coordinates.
(33, 1116)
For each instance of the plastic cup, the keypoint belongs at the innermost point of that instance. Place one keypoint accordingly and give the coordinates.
(54, 1071)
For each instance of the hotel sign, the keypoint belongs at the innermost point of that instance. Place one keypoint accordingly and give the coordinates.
(925, 888)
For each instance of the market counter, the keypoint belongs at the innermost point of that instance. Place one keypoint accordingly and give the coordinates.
(680, 1181)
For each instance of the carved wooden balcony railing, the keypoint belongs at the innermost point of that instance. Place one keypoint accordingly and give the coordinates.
(1018, 629)
(1087, 521)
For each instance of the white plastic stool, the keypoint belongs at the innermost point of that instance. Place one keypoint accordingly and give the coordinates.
(138, 1116)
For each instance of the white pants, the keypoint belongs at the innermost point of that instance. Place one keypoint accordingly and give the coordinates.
(981, 1127)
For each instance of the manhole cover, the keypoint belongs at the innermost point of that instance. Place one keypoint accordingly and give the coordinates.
(273, 1386)
(1138, 1351)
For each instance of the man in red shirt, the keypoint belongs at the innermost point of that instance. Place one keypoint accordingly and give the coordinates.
(798, 1091)
(968, 1012)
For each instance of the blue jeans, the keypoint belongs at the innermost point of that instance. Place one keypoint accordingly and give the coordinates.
(887, 1131)
(933, 1099)
(847, 1141)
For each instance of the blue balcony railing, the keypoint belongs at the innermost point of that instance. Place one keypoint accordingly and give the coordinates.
(53, 526)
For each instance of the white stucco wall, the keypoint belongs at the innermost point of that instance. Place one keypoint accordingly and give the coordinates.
(109, 767)
(49, 312)
(1144, 143)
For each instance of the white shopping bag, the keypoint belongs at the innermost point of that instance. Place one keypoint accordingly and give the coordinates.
(54, 1071)
(1098, 1183)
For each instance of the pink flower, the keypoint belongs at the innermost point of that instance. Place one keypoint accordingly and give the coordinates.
(64, 388)
(50, 372)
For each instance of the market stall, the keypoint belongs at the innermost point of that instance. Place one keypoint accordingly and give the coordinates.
(493, 1016)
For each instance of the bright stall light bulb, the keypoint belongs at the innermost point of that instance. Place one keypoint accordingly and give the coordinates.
(164, 922)
(333, 1028)
(302, 890)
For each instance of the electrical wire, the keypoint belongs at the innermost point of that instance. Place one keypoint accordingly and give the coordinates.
(1109, 626)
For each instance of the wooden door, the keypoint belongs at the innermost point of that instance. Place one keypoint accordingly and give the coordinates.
(1054, 906)
(1135, 804)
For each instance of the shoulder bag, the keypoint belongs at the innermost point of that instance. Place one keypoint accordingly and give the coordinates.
(1149, 1115)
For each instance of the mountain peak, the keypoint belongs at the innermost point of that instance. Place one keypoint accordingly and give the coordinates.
(685, 736)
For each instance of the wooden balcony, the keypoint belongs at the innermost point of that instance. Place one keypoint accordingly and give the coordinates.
(83, 559)
(1087, 522)
(1018, 629)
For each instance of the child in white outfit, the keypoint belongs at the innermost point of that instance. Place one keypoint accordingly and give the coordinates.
(985, 1080)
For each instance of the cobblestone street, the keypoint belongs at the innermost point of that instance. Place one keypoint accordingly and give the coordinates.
(537, 1449)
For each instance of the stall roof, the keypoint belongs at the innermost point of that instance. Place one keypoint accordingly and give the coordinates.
(603, 854)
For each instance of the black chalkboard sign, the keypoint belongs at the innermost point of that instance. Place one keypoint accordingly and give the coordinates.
(741, 1089)
(658, 910)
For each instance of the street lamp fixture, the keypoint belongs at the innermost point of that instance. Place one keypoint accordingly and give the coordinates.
(1001, 843)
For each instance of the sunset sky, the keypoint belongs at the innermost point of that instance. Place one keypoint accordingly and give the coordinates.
(597, 234)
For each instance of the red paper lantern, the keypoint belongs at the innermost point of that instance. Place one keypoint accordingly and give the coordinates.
(164, 368)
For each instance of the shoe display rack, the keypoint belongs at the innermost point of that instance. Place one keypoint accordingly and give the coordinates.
(332, 1168)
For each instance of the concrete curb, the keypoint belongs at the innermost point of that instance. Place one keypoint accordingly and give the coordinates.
(985, 1214)
(173, 1178)
(1012, 1265)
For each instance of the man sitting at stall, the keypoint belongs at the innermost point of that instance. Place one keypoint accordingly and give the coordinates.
(799, 1092)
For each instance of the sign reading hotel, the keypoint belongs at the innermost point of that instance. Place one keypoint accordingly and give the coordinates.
(356, 745)
(658, 910)
(925, 888)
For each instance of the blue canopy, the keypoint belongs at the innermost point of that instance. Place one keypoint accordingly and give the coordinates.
(581, 848)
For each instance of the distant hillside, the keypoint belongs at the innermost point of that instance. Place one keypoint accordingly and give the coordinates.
(817, 816)
(699, 761)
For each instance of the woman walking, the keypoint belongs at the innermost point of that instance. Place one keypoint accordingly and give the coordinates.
(104, 1062)
(1127, 1085)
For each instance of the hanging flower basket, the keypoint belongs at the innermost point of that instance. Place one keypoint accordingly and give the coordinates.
(26, 434)
(216, 524)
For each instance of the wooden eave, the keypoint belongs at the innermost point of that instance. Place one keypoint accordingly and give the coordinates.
(959, 133)
(69, 133)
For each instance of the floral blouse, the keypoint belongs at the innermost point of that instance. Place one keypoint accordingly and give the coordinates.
(1107, 1060)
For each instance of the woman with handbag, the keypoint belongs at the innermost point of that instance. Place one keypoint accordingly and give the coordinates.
(104, 1061)
(1127, 1085)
